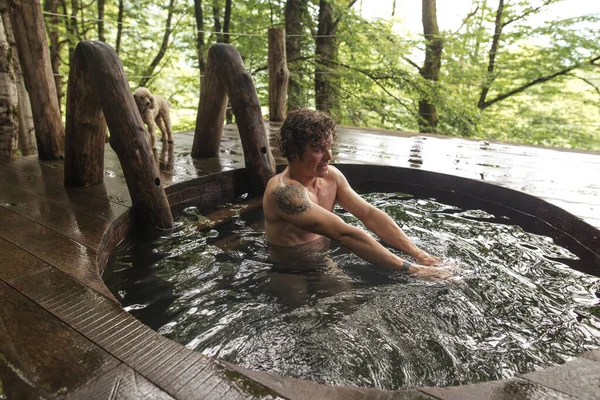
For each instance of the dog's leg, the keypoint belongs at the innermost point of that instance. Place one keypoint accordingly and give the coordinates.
(161, 124)
(167, 119)
(151, 128)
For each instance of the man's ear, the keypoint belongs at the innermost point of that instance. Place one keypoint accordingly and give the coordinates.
(151, 106)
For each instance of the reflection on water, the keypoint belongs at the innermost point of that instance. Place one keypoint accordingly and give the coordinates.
(416, 160)
(341, 321)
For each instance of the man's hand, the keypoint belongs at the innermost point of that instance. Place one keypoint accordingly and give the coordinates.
(427, 259)
(430, 273)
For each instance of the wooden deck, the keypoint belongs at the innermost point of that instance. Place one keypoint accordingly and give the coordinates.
(62, 334)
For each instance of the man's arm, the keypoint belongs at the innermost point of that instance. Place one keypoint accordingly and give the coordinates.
(292, 204)
(379, 222)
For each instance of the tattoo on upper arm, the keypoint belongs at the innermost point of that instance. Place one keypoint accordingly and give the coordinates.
(292, 199)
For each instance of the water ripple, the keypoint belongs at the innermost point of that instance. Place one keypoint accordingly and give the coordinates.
(519, 308)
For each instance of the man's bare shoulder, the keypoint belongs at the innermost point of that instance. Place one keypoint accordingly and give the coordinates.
(288, 195)
(334, 172)
(337, 176)
(274, 181)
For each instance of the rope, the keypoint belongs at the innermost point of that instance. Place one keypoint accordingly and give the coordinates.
(265, 34)
(146, 76)
(332, 73)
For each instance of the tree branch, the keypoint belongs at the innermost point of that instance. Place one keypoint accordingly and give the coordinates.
(586, 81)
(375, 79)
(465, 19)
(527, 13)
(492, 55)
(163, 47)
(338, 19)
(411, 62)
(536, 81)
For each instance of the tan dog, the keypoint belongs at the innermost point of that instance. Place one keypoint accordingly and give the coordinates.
(154, 109)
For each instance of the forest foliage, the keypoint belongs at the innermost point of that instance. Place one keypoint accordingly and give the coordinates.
(540, 84)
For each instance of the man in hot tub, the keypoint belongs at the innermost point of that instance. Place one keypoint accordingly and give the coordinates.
(298, 203)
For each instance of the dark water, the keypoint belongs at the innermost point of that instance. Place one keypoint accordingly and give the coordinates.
(345, 322)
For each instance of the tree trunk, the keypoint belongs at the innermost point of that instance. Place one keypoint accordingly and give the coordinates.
(216, 8)
(481, 21)
(278, 75)
(225, 38)
(200, 36)
(119, 26)
(227, 22)
(326, 51)
(492, 56)
(101, 20)
(225, 65)
(55, 46)
(71, 25)
(28, 24)
(26, 136)
(294, 9)
(97, 62)
(428, 118)
(9, 101)
(163, 47)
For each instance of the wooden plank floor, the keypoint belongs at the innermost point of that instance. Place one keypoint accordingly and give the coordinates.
(63, 334)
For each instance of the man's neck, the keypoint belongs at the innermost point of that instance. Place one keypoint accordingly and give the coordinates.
(308, 181)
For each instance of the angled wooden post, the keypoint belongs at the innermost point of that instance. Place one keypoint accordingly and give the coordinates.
(225, 75)
(98, 90)
(279, 75)
(211, 113)
(86, 127)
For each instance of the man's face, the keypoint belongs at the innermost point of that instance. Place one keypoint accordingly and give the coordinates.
(315, 161)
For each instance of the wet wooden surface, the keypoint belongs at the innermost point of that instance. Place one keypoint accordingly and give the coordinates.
(40, 349)
(62, 334)
(565, 178)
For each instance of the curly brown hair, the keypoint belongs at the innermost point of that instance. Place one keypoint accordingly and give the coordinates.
(304, 126)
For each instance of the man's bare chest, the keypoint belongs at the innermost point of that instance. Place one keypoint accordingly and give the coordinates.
(323, 196)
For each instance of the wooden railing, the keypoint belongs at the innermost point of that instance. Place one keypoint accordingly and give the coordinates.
(99, 96)
(225, 76)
